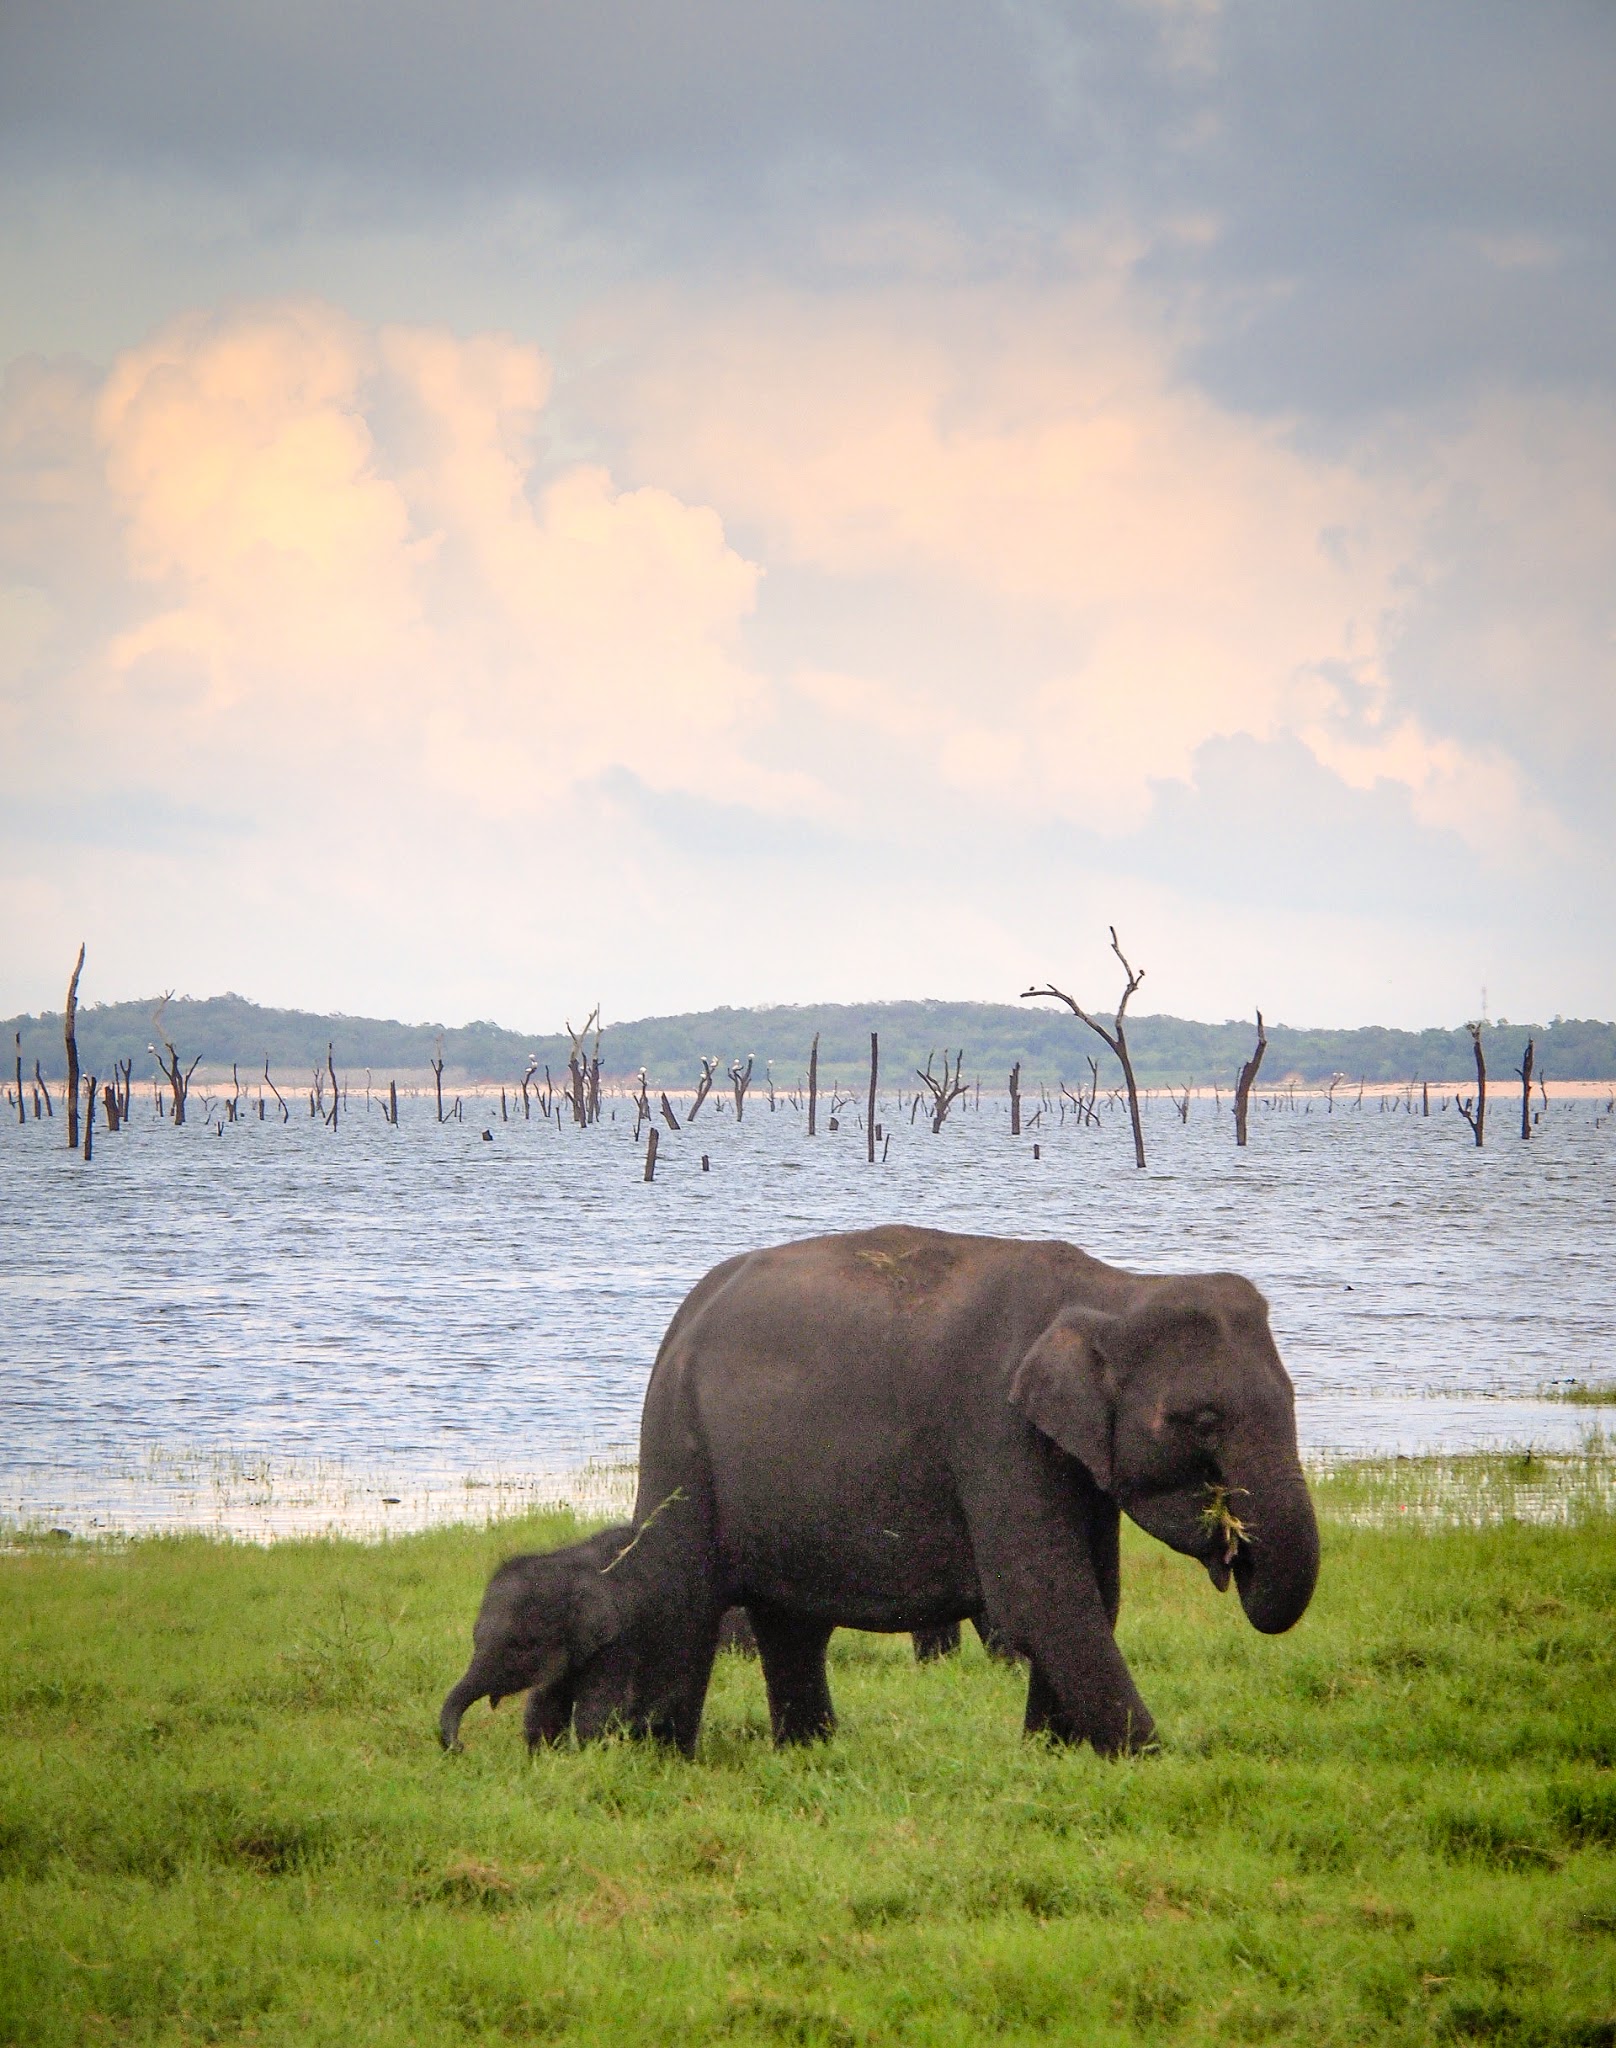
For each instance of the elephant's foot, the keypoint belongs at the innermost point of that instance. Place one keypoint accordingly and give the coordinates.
(1118, 1727)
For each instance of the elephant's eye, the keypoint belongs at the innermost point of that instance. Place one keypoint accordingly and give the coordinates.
(1204, 1421)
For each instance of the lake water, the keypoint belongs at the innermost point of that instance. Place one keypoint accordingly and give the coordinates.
(273, 1326)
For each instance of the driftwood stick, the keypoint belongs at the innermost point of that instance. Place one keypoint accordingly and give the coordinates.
(869, 1114)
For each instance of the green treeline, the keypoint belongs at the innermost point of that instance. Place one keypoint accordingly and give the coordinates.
(1050, 1045)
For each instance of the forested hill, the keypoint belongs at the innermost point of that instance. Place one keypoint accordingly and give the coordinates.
(1050, 1044)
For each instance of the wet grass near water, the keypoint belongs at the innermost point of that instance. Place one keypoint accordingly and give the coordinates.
(224, 1815)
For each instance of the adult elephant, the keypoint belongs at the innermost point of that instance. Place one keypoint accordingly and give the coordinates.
(899, 1429)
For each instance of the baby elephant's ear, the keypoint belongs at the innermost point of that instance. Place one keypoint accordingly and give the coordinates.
(595, 1615)
(1065, 1388)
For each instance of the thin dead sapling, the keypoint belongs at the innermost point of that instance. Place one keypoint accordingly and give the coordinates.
(1116, 1037)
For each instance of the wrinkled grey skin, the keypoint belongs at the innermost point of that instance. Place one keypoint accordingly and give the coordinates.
(901, 1429)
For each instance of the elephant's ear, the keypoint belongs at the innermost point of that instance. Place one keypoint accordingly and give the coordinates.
(1065, 1388)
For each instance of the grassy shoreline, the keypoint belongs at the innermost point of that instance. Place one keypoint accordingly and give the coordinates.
(223, 1815)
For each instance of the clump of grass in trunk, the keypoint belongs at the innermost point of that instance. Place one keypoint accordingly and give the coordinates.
(1221, 1522)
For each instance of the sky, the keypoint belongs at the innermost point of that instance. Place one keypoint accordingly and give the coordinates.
(519, 505)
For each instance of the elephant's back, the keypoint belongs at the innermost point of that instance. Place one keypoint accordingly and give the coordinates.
(816, 1393)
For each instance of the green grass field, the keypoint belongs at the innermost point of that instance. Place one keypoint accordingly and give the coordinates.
(224, 1815)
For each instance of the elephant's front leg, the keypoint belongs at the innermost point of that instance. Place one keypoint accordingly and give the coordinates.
(1052, 1599)
(547, 1716)
(792, 1651)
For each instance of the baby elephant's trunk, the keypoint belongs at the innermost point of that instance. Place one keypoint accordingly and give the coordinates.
(470, 1688)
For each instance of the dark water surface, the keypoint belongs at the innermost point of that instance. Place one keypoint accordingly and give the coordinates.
(311, 1322)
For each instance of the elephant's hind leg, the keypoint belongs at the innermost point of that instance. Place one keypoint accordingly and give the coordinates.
(943, 1640)
(792, 1651)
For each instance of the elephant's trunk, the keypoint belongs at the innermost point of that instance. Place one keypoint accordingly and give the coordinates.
(470, 1688)
(1276, 1564)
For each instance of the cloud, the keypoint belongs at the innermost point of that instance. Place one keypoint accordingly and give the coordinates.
(1192, 573)
(325, 670)
(335, 537)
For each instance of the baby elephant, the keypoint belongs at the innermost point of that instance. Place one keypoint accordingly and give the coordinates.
(553, 1625)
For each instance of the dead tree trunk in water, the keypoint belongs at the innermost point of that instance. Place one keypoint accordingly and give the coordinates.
(40, 1083)
(331, 1069)
(286, 1114)
(740, 1079)
(70, 1019)
(708, 1069)
(944, 1093)
(869, 1113)
(1116, 1038)
(813, 1086)
(109, 1105)
(1525, 1072)
(1474, 1111)
(392, 1104)
(89, 1114)
(1248, 1074)
(20, 1117)
(1015, 1100)
(585, 1070)
(179, 1081)
(436, 1064)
